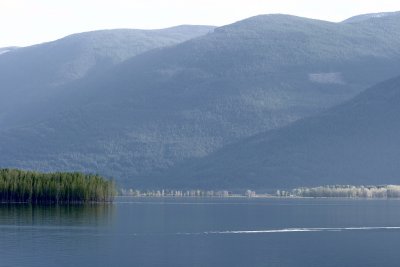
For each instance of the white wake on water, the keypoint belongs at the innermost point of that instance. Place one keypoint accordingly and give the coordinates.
(294, 230)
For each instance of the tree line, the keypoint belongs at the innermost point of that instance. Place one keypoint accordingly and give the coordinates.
(175, 193)
(58, 187)
(350, 191)
(185, 193)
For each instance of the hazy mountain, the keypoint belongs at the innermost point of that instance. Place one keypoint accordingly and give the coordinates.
(4, 50)
(361, 18)
(187, 100)
(74, 56)
(32, 73)
(355, 143)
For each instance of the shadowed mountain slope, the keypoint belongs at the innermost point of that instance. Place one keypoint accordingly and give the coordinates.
(355, 143)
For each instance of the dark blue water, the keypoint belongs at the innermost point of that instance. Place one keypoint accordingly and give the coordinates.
(203, 232)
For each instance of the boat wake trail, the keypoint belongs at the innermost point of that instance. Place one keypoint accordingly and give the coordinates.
(295, 230)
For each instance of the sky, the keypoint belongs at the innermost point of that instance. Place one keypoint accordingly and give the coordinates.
(27, 22)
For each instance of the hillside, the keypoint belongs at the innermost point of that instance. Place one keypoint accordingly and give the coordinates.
(4, 50)
(373, 16)
(185, 101)
(33, 74)
(355, 143)
(74, 56)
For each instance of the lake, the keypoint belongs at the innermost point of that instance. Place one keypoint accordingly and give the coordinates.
(203, 232)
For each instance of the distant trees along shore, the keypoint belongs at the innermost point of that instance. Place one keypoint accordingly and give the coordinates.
(350, 191)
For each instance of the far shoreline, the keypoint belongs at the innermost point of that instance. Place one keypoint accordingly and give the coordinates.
(245, 197)
(322, 192)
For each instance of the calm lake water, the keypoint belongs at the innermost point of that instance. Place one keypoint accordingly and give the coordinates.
(203, 232)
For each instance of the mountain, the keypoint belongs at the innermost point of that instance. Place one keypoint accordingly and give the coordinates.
(361, 18)
(357, 142)
(74, 56)
(184, 101)
(4, 50)
(32, 73)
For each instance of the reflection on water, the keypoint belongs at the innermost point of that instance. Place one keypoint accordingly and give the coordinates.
(52, 235)
(202, 232)
(60, 215)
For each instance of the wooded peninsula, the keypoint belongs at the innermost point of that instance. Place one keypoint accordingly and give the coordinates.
(58, 187)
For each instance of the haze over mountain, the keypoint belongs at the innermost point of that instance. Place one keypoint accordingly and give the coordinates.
(187, 100)
(4, 50)
(372, 16)
(31, 74)
(354, 143)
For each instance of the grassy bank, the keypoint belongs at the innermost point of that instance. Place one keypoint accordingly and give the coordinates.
(59, 187)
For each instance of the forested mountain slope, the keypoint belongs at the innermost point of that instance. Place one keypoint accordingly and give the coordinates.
(31, 75)
(354, 143)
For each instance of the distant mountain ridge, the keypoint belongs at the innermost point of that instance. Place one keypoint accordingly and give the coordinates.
(364, 17)
(4, 50)
(76, 54)
(162, 107)
(35, 73)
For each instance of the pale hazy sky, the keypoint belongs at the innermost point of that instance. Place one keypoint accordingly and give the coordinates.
(26, 22)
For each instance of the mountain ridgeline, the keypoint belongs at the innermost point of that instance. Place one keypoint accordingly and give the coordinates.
(4, 50)
(144, 117)
(31, 76)
(371, 17)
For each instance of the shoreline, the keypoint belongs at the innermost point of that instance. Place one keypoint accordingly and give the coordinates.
(254, 197)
